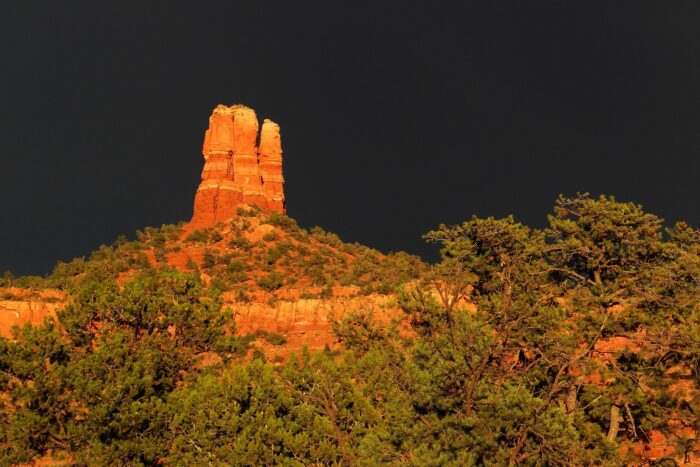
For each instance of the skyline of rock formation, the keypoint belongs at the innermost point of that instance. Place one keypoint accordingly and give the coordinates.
(238, 169)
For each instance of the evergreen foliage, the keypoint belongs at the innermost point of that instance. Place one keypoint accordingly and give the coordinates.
(503, 358)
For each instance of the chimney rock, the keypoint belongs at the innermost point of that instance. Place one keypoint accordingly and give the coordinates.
(237, 171)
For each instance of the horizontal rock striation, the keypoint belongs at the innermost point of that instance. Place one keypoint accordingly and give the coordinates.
(238, 170)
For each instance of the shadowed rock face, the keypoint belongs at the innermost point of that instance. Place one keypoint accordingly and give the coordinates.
(236, 170)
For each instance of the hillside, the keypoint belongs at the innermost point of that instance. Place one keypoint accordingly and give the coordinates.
(239, 338)
(509, 332)
(274, 275)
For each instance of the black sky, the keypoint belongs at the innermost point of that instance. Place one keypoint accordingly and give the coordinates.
(395, 116)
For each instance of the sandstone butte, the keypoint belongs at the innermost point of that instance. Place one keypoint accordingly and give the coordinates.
(243, 167)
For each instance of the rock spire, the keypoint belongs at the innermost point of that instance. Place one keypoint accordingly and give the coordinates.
(238, 169)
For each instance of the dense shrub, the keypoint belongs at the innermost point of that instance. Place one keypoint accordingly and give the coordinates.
(496, 362)
(198, 236)
(271, 282)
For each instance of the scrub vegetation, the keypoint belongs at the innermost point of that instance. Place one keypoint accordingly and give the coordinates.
(554, 346)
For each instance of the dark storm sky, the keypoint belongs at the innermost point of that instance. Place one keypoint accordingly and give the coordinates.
(395, 116)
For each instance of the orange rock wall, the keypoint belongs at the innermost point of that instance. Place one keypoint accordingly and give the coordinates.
(270, 161)
(18, 307)
(236, 170)
(306, 321)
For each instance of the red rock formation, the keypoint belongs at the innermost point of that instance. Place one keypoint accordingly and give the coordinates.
(246, 173)
(235, 170)
(216, 196)
(307, 322)
(21, 306)
(271, 164)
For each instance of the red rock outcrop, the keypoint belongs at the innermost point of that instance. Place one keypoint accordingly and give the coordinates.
(21, 306)
(307, 321)
(236, 170)
(270, 160)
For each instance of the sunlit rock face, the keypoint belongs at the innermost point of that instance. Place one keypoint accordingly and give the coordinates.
(25, 306)
(270, 162)
(236, 168)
